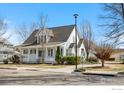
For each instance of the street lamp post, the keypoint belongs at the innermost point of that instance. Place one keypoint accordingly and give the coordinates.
(75, 16)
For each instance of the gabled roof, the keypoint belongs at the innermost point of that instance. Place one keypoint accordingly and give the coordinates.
(31, 39)
(61, 34)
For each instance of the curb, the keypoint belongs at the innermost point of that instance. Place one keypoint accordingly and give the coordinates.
(94, 73)
(9, 68)
(102, 74)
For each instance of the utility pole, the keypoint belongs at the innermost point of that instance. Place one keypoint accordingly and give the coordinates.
(75, 16)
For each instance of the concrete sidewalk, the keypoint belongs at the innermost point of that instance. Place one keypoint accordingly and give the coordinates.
(66, 69)
(30, 71)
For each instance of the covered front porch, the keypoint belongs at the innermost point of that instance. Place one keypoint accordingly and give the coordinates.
(40, 54)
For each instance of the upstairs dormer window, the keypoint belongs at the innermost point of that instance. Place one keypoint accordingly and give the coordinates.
(43, 36)
(43, 39)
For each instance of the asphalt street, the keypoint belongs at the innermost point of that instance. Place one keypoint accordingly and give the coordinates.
(39, 77)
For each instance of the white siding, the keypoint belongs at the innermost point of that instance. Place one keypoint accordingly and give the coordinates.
(70, 40)
(79, 50)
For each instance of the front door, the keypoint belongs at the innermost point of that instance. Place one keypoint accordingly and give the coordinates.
(41, 56)
(40, 53)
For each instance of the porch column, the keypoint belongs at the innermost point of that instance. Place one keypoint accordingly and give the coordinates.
(28, 55)
(45, 54)
(54, 51)
(36, 53)
(64, 51)
(54, 54)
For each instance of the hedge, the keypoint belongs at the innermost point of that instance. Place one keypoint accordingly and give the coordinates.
(92, 59)
(71, 60)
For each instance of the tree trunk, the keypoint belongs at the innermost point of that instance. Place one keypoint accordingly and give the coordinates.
(87, 55)
(102, 63)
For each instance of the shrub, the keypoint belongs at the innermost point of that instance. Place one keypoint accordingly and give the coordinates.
(92, 59)
(122, 60)
(58, 55)
(111, 59)
(5, 61)
(15, 59)
(71, 60)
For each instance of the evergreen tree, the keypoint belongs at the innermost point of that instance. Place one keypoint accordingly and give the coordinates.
(58, 55)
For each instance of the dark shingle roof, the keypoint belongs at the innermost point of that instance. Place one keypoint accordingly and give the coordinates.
(61, 34)
(31, 39)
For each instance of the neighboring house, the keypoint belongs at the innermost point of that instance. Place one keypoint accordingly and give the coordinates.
(6, 49)
(118, 55)
(48, 40)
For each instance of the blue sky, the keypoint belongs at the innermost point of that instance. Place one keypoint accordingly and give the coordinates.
(58, 14)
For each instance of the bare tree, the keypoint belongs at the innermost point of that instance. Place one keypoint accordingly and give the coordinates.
(3, 27)
(86, 30)
(42, 28)
(113, 21)
(25, 30)
(103, 51)
(43, 19)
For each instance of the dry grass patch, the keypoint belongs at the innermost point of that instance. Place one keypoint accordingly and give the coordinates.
(32, 65)
(108, 67)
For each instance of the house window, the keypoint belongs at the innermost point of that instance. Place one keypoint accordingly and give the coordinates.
(62, 51)
(33, 51)
(40, 53)
(45, 39)
(82, 52)
(67, 52)
(30, 51)
(38, 38)
(41, 39)
(25, 51)
(50, 52)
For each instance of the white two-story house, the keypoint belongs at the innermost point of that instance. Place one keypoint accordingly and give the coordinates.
(6, 49)
(43, 43)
